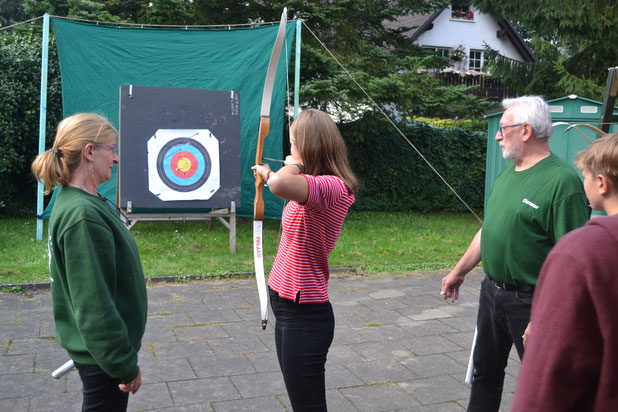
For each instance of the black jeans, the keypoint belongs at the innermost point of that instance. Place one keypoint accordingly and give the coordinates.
(303, 335)
(100, 391)
(501, 322)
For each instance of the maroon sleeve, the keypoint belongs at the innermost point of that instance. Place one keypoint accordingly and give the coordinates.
(564, 353)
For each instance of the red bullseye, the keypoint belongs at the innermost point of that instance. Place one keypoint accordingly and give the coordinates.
(184, 164)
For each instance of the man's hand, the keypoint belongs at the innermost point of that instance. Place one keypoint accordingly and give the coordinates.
(132, 386)
(452, 281)
(451, 284)
(527, 334)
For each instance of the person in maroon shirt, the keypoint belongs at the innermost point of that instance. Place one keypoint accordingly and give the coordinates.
(320, 186)
(571, 361)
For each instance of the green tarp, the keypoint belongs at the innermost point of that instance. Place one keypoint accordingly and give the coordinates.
(96, 59)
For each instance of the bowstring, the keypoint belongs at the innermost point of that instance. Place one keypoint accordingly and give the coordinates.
(287, 96)
(393, 124)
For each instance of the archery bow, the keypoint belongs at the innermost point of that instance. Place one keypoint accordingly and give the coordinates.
(258, 206)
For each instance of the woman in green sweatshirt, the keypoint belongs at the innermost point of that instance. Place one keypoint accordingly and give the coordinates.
(97, 284)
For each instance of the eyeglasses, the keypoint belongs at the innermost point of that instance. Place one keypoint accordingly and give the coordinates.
(501, 128)
(110, 146)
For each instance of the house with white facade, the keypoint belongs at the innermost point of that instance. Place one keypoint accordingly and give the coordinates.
(459, 30)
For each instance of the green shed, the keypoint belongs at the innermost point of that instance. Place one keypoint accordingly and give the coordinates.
(569, 109)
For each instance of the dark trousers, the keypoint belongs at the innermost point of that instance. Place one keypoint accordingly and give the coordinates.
(100, 391)
(501, 322)
(303, 335)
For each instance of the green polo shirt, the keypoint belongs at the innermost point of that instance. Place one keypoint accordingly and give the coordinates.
(527, 213)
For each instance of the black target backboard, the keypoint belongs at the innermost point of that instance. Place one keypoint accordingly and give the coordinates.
(179, 148)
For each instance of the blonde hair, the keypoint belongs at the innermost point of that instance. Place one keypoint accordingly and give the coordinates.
(321, 147)
(55, 167)
(601, 158)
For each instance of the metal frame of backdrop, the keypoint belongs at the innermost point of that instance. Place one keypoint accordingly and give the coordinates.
(43, 117)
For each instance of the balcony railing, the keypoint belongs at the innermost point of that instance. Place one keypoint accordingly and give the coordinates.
(484, 85)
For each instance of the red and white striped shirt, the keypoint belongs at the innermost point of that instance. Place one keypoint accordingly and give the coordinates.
(310, 232)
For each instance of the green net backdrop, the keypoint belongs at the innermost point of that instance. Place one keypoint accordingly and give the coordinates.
(96, 59)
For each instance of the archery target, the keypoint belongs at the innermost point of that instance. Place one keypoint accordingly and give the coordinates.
(183, 164)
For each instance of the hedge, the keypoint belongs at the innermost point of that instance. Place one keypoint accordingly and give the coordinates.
(475, 125)
(394, 177)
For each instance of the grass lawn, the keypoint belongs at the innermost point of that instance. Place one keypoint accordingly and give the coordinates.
(370, 242)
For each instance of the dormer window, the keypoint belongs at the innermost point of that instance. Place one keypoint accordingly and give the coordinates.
(461, 12)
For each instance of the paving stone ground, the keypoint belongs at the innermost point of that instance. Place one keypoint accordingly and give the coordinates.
(398, 347)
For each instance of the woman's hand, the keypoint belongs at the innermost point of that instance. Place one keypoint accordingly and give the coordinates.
(297, 165)
(262, 170)
(285, 183)
(133, 386)
(289, 160)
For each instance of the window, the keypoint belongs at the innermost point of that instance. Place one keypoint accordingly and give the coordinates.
(461, 11)
(440, 51)
(476, 60)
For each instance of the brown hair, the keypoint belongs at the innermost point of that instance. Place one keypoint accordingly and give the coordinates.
(321, 147)
(55, 167)
(601, 158)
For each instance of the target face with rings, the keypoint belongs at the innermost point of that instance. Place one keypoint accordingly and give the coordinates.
(183, 164)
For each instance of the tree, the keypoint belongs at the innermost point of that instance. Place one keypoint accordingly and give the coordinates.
(394, 71)
(11, 11)
(78, 9)
(575, 44)
(167, 12)
(20, 62)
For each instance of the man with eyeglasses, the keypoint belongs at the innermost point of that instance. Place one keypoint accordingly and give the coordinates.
(534, 201)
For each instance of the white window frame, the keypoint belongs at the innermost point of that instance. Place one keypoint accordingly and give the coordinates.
(469, 6)
(471, 59)
(441, 51)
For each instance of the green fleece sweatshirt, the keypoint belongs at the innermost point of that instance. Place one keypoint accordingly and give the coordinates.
(97, 284)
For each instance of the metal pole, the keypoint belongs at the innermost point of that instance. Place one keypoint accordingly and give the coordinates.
(63, 370)
(297, 68)
(42, 119)
(470, 371)
(609, 100)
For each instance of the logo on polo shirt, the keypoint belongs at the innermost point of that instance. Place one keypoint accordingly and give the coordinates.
(529, 203)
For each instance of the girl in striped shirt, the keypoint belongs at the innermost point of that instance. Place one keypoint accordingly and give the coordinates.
(320, 186)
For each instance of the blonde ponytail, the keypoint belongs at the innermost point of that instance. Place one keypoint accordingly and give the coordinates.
(49, 169)
(55, 167)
